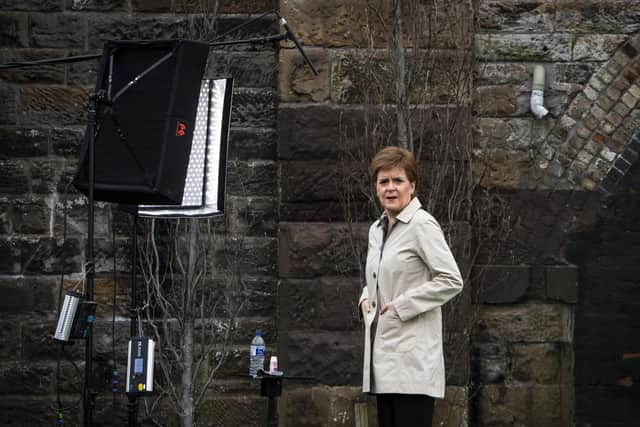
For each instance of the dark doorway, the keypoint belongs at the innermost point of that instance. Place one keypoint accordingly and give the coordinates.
(607, 328)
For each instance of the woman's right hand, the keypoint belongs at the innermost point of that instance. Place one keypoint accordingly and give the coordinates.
(365, 307)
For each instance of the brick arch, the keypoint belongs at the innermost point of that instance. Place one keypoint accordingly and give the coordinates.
(597, 139)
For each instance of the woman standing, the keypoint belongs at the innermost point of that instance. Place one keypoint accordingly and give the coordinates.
(410, 273)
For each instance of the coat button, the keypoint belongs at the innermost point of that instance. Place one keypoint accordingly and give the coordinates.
(374, 275)
(373, 304)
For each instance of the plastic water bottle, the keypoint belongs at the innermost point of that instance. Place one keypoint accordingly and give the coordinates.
(256, 354)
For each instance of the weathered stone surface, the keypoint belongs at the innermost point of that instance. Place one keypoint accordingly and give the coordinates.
(502, 134)
(487, 74)
(517, 17)
(249, 144)
(46, 175)
(327, 303)
(541, 363)
(83, 73)
(252, 178)
(240, 410)
(453, 410)
(14, 178)
(457, 358)
(314, 180)
(504, 169)
(104, 27)
(30, 379)
(97, 5)
(9, 106)
(440, 77)
(157, 6)
(254, 108)
(54, 105)
(502, 405)
(327, 211)
(31, 411)
(336, 357)
(254, 216)
(525, 323)
(246, 6)
(596, 47)
(562, 283)
(14, 30)
(318, 249)
(503, 284)
(31, 215)
(523, 47)
(296, 81)
(9, 330)
(67, 141)
(249, 69)
(35, 5)
(552, 405)
(490, 362)
(495, 101)
(23, 142)
(61, 30)
(251, 255)
(27, 295)
(575, 72)
(41, 74)
(321, 406)
(618, 16)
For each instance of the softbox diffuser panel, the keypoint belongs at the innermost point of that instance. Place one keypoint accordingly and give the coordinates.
(206, 175)
(144, 129)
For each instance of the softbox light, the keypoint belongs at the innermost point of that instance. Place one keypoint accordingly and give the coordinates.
(147, 99)
(206, 173)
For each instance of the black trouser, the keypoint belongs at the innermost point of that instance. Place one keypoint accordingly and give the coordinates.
(404, 410)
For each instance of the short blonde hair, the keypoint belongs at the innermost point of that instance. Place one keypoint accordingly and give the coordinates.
(392, 157)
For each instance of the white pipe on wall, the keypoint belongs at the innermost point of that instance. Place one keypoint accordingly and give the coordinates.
(537, 93)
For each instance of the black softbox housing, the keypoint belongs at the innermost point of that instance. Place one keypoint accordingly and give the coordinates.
(144, 126)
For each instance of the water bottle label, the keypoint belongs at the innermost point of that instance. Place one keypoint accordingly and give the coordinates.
(260, 351)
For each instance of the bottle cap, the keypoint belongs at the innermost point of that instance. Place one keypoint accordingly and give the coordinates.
(258, 332)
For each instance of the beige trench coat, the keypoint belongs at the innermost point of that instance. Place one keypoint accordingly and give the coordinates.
(417, 273)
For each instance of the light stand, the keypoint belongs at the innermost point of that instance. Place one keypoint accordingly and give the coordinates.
(88, 394)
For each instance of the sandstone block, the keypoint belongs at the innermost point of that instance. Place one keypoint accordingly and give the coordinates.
(254, 108)
(54, 105)
(296, 81)
(318, 249)
(490, 362)
(598, 17)
(155, 6)
(104, 27)
(552, 405)
(43, 74)
(15, 177)
(252, 144)
(537, 363)
(9, 330)
(23, 142)
(517, 17)
(235, 410)
(9, 107)
(246, 6)
(575, 72)
(61, 30)
(495, 101)
(14, 29)
(253, 178)
(249, 69)
(504, 284)
(322, 405)
(503, 74)
(506, 405)
(453, 410)
(32, 5)
(250, 255)
(327, 303)
(523, 47)
(67, 141)
(23, 295)
(504, 169)
(596, 47)
(335, 357)
(31, 215)
(525, 323)
(252, 216)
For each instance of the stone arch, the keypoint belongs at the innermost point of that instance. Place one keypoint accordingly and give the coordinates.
(597, 139)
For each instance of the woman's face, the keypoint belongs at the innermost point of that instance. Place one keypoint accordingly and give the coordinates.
(394, 190)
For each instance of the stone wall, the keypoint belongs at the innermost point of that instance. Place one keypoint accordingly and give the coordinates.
(567, 179)
(42, 120)
(588, 50)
